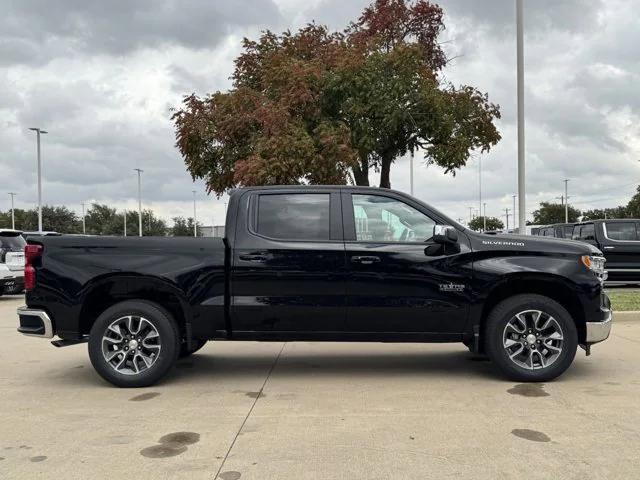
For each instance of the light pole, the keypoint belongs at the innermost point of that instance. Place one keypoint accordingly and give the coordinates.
(195, 223)
(480, 185)
(566, 200)
(13, 217)
(38, 133)
(470, 214)
(484, 216)
(411, 174)
(124, 215)
(520, 71)
(84, 226)
(139, 202)
(514, 211)
(506, 214)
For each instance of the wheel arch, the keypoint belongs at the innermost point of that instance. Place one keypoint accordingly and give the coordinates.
(551, 286)
(110, 290)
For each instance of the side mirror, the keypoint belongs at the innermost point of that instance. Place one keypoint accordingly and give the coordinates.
(445, 234)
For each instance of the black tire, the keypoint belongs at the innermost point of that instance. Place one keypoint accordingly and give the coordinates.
(495, 329)
(197, 345)
(169, 339)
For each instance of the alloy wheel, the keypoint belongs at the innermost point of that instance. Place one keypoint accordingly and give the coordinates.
(131, 345)
(533, 339)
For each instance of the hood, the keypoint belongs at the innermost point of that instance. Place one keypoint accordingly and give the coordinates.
(531, 243)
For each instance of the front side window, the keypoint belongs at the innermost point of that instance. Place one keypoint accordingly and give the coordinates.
(295, 216)
(622, 231)
(384, 219)
(567, 231)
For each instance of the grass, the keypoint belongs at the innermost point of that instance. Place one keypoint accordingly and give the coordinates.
(624, 299)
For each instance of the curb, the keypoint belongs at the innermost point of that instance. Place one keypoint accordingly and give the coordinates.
(630, 316)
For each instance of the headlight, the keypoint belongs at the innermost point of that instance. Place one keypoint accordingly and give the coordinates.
(595, 264)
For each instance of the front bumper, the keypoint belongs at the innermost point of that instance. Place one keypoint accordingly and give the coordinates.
(35, 323)
(599, 331)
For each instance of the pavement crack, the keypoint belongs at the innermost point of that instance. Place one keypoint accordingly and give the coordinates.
(258, 396)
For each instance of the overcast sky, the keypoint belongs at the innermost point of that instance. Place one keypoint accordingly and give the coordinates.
(102, 76)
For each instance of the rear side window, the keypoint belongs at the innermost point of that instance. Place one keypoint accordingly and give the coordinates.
(622, 231)
(294, 216)
(567, 231)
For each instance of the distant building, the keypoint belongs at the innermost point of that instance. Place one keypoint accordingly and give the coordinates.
(216, 231)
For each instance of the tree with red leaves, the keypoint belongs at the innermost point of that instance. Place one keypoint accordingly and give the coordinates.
(325, 107)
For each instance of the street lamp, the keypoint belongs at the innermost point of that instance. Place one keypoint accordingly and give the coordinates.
(13, 217)
(520, 88)
(566, 200)
(84, 226)
(195, 223)
(484, 216)
(139, 202)
(38, 133)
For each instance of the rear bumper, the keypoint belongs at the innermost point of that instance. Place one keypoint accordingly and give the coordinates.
(599, 331)
(35, 323)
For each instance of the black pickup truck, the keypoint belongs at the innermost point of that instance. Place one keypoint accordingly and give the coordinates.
(619, 241)
(318, 264)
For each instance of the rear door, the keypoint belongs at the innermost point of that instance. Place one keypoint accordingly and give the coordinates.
(393, 285)
(289, 262)
(620, 244)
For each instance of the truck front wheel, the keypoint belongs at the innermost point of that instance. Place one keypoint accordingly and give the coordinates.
(531, 338)
(133, 344)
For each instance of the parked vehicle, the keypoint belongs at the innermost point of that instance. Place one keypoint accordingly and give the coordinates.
(11, 262)
(318, 263)
(557, 230)
(619, 240)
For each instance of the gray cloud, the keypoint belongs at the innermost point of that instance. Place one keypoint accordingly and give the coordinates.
(101, 76)
(34, 31)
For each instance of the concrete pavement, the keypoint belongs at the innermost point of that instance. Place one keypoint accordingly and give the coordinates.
(317, 411)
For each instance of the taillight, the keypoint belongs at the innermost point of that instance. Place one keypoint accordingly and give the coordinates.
(31, 252)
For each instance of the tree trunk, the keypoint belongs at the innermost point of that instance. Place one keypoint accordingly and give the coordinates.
(385, 171)
(361, 173)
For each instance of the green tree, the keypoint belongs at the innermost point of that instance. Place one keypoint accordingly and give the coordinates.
(103, 220)
(598, 213)
(323, 107)
(184, 227)
(633, 207)
(493, 223)
(54, 218)
(549, 213)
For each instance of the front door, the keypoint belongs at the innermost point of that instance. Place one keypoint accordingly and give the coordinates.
(289, 263)
(398, 279)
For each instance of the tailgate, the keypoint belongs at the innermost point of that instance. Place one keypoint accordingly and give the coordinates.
(15, 261)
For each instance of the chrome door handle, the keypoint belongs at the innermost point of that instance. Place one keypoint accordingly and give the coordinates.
(253, 258)
(365, 260)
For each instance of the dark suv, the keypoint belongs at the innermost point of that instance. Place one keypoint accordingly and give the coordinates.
(619, 240)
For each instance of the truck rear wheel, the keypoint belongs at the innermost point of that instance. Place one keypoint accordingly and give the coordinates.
(133, 344)
(531, 338)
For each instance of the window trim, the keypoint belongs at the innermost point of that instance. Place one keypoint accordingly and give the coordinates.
(348, 214)
(335, 227)
(606, 233)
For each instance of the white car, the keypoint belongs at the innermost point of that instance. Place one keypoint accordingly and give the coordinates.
(11, 261)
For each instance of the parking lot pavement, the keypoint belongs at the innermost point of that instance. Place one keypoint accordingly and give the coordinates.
(317, 410)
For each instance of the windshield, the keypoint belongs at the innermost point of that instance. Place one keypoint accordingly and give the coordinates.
(12, 242)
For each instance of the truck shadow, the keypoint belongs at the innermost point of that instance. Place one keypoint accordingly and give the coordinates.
(334, 364)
